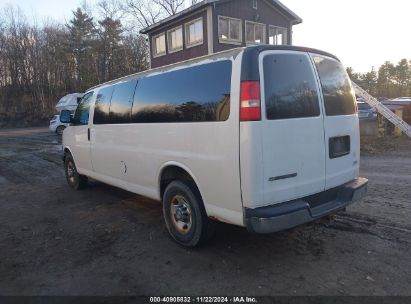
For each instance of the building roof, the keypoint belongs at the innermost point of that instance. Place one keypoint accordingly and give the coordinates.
(276, 3)
(395, 107)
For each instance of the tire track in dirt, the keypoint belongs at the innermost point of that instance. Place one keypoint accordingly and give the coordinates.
(356, 223)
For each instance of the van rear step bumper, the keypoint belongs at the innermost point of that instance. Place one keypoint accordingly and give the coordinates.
(294, 213)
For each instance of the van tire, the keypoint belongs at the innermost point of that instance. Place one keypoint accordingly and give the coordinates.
(74, 179)
(60, 129)
(185, 215)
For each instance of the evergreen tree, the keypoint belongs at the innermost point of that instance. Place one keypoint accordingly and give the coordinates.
(402, 77)
(81, 31)
(385, 80)
(353, 76)
(110, 48)
(369, 82)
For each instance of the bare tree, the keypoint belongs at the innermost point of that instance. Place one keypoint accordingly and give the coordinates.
(40, 63)
(171, 7)
(144, 12)
(148, 12)
(112, 9)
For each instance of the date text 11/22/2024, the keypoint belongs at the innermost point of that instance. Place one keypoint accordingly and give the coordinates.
(203, 300)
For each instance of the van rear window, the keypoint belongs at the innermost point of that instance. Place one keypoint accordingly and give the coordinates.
(338, 96)
(195, 94)
(289, 86)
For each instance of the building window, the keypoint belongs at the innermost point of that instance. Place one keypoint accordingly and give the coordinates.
(159, 45)
(254, 32)
(175, 39)
(255, 4)
(194, 33)
(277, 35)
(229, 30)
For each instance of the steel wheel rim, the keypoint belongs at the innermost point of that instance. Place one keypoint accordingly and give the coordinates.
(181, 215)
(71, 172)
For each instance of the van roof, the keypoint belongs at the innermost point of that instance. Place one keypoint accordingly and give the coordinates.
(250, 69)
(249, 53)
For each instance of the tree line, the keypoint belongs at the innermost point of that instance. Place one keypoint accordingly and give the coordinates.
(41, 62)
(390, 81)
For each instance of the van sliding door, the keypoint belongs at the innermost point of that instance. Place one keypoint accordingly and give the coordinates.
(111, 141)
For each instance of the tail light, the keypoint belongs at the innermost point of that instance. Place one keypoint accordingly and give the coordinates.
(356, 107)
(250, 103)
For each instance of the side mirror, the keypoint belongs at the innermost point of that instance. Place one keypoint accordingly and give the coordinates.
(65, 116)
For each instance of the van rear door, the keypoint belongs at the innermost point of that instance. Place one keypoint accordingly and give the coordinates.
(292, 127)
(342, 139)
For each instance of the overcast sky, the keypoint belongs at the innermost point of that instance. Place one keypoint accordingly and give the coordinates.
(363, 33)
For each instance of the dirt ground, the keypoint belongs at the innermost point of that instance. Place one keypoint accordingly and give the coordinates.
(105, 241)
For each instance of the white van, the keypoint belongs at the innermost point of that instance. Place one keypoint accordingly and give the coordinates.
(263, 137)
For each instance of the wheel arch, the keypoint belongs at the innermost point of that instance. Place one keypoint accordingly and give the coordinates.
(171, 171)
(66, 150)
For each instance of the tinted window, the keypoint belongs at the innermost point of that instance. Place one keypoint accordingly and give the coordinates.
(102, 107)
(121, 102)
(338, 97)
(290, 87)
(200, 93)
(82, 112)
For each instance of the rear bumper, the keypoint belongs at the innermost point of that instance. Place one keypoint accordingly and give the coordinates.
(294, 213)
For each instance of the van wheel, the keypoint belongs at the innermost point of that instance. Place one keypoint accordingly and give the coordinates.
(60, 130)
(184, 214)
(75, 180)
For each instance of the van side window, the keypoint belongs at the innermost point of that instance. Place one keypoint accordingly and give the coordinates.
(290, 87)
(196, 94)
(82, 112)
(338, 97)
(121, 102)
(102, 107)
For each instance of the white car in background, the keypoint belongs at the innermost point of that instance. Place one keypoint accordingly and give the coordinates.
(56, 125)
(67, 102)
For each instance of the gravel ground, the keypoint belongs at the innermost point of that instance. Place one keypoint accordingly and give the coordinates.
(105, 241)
